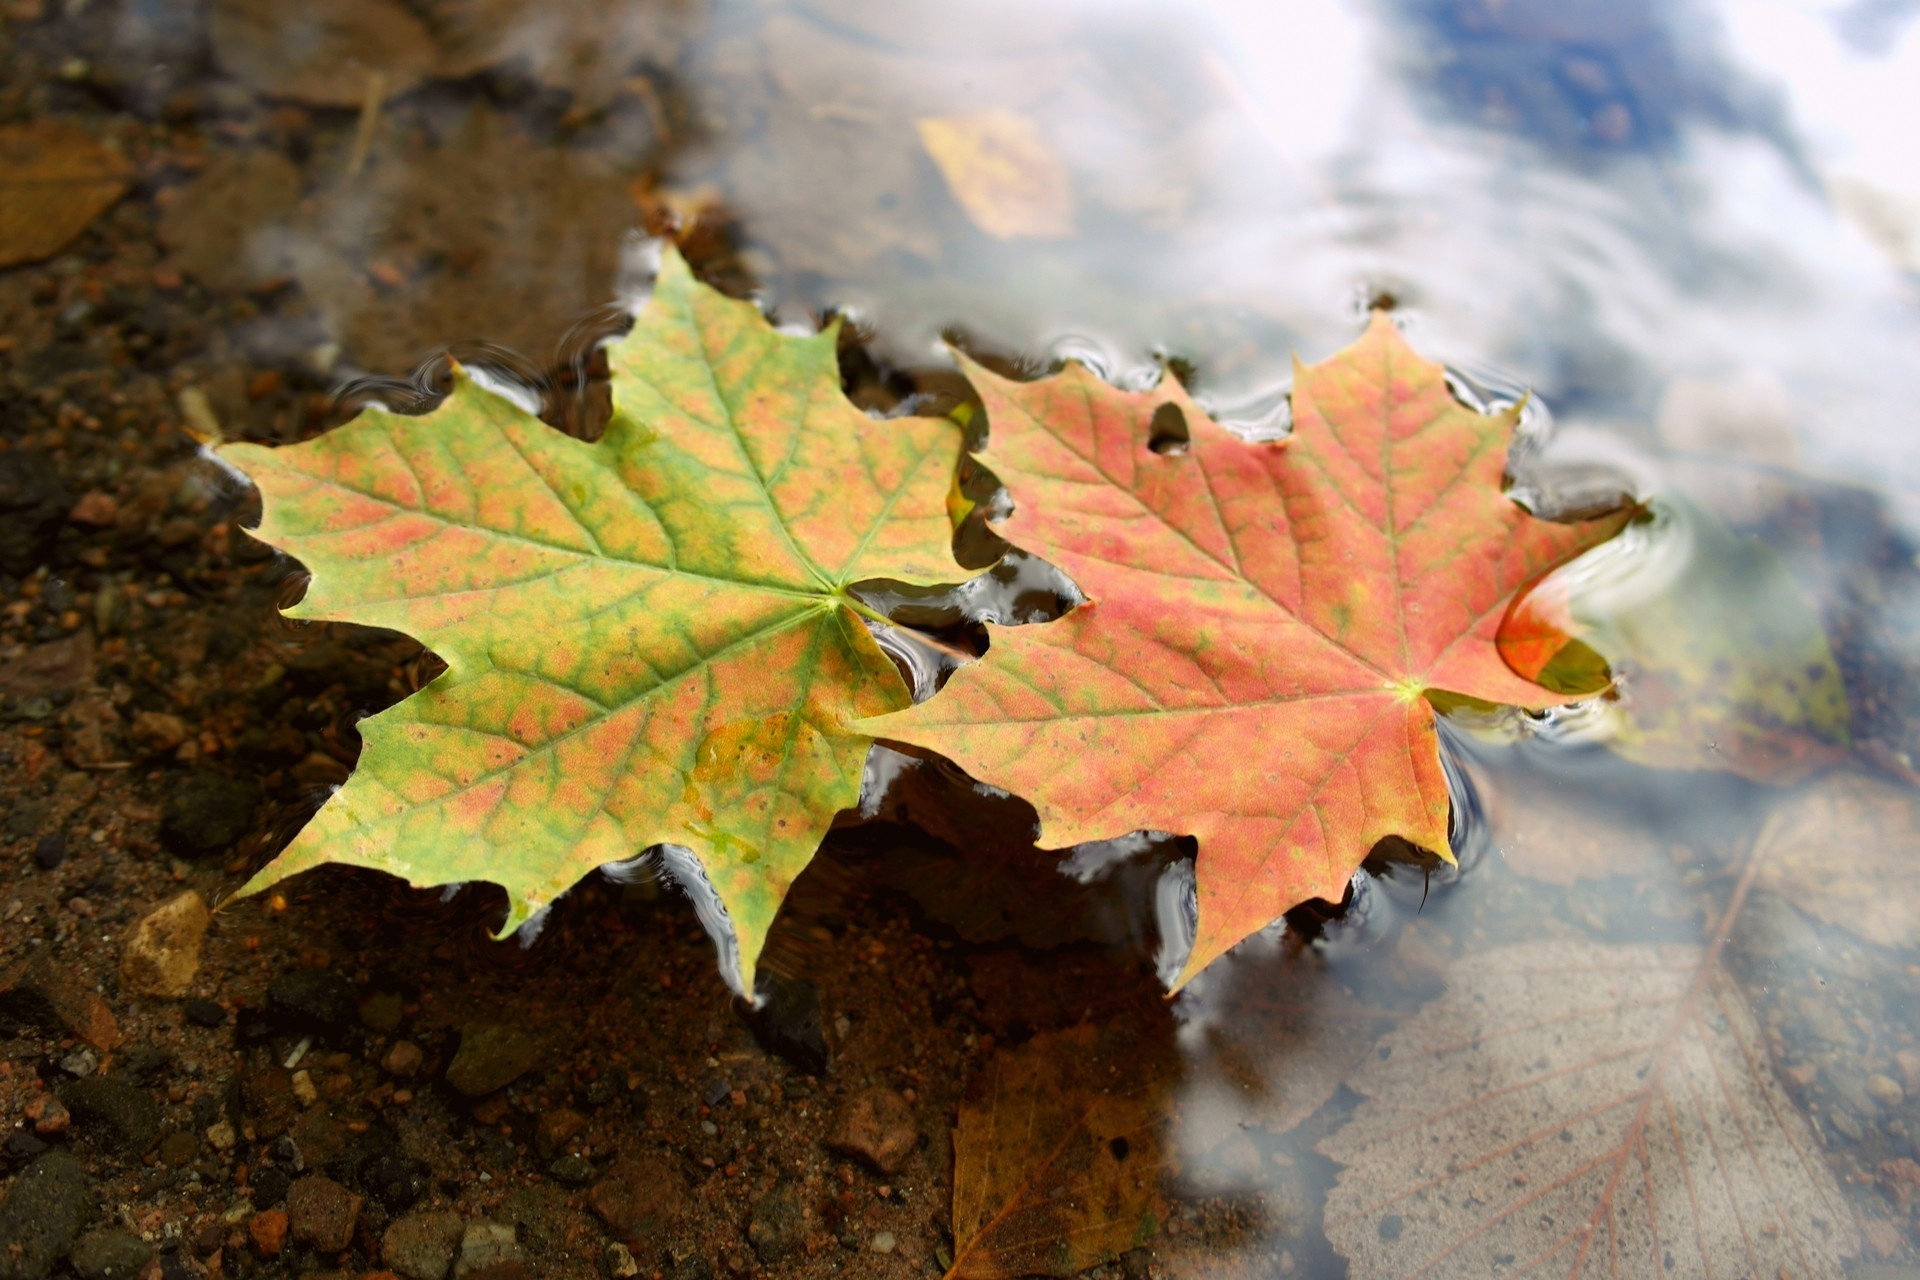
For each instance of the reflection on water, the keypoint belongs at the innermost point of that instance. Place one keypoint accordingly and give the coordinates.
(1692, 229)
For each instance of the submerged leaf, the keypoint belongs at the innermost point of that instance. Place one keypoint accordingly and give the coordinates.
(1722, 659)
(1581, 1109)
(999, 167)
(54, 181)
(1057, 1162)
(1847, 852)
(1262, 622)
(649, 639)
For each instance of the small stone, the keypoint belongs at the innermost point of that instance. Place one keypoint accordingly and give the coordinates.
(491, 1057)
(268, 1231)
(312, 1000)
(1885, 1090)
(484, 1245)
(620, 1263)
(303, 1088)
(205, 1013)
(158, 732)
(221, 1135)
(112, 1114)
(883, 1242)
(270, 1187)
(396, 1181)
(403, 1059)
(875, 1126)
(178, 1148)
(778, 1225)
(421, 1246)
(382, 1012)
(48, 1116)
(161, 956)
(80, 1064)
(571, 1171)
(41, 1215)
(50, 852)
(110, 1253)
(555, 1129)
(95, 509)
(207, 815)
(1845, 1124)
(639, 1199)
(321, 1213)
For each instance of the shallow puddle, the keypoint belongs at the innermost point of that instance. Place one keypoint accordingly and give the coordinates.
(1658, 1021)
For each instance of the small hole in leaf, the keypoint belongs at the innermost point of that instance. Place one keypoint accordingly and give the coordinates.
(1120, 1147)
(1167, 433)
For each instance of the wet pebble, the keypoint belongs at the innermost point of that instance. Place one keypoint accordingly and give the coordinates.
(318, 1000)
(396, 1181)
(403, 1059)
(620, 1262)
(207, 815)
(639, 1199)
(41, 1215)
(110, 1253)
(321, 1213)
(178, 1149)
(205, 1013)
(491, 1057)
(269, 1184)
(571, 1171)
(778, 1225)
(883, 1242)
(420, 1246)
(1885, 1090)
(876, 1127)
(1845, 1124)
(112, 1114)
(488, 1247)
(555, 1129)
(161, 956)
(268, 1231)
(47, 1115)
(50, 852)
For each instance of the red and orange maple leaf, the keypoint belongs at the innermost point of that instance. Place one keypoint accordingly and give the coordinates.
(1262, 622)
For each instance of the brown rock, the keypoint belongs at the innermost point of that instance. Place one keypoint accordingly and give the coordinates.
(555, 1130)
(156, 732)
(95, 509)
(321, 1214)
(37, 992)
(875, 1126)
(1900, 1179)
(404, 1059)
(46, 668)
(92, 733)
(639, 1198)
(161, 956)
(268, 1230)
(47, 1115)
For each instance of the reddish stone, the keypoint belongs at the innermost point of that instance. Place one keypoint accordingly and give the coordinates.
(875, 1126)
(555, 1130)
(321, 1214)
(269, 1231)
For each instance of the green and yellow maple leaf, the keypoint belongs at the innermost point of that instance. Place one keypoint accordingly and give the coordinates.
(649, 639)
(1264, 624)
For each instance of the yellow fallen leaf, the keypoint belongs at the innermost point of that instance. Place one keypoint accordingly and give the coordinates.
(1002, 171)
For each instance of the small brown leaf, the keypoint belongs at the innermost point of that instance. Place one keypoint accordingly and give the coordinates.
(1844, 851)
(1003, 172)
(321, 54)
(1575, 1109)
(54, 180)
(1057, 1162)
